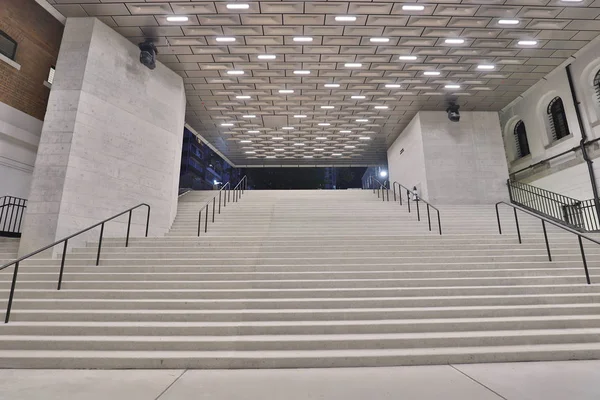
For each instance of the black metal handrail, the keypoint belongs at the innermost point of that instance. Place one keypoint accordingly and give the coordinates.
(552, 222)
(237, 193)
(240, 188)
(417, 199)
(12, 210)
(380, 187)
(563, 209)
(64, 252)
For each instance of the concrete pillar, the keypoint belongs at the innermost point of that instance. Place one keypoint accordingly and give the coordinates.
(111, 139)
(452, 162)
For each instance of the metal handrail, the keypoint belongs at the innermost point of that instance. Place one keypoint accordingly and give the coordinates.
(12, 216)
(381, 188)
(213, 199)
(239, 189)
(417, 199)
(552, 222)
(64, 253)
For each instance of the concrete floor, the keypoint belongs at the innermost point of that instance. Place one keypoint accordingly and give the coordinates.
(573, 380)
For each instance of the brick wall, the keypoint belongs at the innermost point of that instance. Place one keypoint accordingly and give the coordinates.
(38, 35)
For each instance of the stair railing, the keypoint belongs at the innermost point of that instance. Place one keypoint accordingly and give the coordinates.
(12, 210)
(64, 252)
(224, 196)
(380, 187)
(417, 199)
(240, 188)
(551, 221)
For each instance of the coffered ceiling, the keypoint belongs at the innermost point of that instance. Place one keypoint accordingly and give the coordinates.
(335, 82)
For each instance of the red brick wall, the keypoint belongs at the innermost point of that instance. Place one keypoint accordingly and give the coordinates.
(38, 35)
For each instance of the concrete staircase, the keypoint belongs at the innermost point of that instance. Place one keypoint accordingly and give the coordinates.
(289, 279)
(8, 249)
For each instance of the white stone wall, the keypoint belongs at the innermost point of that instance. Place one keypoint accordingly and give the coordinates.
(111, 139)
(406, 160)
(19, 138)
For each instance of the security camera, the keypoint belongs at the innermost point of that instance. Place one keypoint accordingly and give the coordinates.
(148, 53)
(453, 114)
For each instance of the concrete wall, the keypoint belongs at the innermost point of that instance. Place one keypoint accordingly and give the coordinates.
(450, 162)
(111, 139)
(406, 159)
(568, 174)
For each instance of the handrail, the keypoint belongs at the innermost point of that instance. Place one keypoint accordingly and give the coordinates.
(64, 253)
(11, 217)
(417, 199)
(238, 190)
(213, 199)
(552, 222)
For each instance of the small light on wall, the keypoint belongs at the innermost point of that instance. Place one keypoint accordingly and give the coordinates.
(383, 173)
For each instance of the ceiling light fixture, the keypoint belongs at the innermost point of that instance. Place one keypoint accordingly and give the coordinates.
(276, 138)
(364, 138)
(267, 57)
(249, 116)
(392, 85)
(175, 18)
(357, 97)
(486, 67)
(227, 124)
(454, 41)
(324, 124)
(431, 73)
(345, 18)
(508, 21)
(452, 86)
(238, 6)
(327, 107)
(278, 149)
(407, 58)
(300, 116)
(225, 39)
(298, 144)
(302, 72)
(336, 154)
(287, 128)
(353, 65)
(379, 40)
(413, 8)
(250, 152)
(285, 91)
(527, 42)
(318, 149)
(308, 156)
(235, 72)
(303, 39)
(362, 120)
(349, 147)
(381, 107)
(253, 131)
(242, 97)
(320, 138)
(245, 141)
(332, 85)
(270, 157)
(345, 131)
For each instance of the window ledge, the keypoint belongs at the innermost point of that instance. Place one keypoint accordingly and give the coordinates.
(48, 84)
(559, 141)
(10, 62)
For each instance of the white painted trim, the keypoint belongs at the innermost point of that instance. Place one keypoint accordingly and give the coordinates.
(53, 11)
(10, 62)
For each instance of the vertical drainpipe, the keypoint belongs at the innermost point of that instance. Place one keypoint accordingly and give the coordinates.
(582, 143)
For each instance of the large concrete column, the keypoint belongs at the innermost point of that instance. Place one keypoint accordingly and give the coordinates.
(111, 139)
(452, 162)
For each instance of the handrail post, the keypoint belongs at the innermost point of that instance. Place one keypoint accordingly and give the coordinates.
(498, 218)
(62, 265)
(428, 218)
(546, 239)
(439, 221)
(100, 244)
(219, 202)
(128, 228)
(517, 224)
(147, 220)
(213, 219)
(387, 190)
(206, 220)
(587, 274)
(394, 188)
(408, 199)
(12, 293)
(418, 213)
(199, 221)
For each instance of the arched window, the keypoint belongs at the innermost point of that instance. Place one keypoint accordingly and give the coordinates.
(597, 85)
(8, 46)
(559, 128)
(521, 139)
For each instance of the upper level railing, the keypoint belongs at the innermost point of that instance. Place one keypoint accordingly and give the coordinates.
(12, 210)
(551, 221)
(224, 195)
(566, 210)
(64, 252)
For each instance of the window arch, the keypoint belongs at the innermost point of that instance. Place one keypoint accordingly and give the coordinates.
(597, 85)
(521, 139)
(559, 128)
(8, 46)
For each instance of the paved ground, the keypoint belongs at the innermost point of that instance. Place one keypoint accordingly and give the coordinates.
(572, 380)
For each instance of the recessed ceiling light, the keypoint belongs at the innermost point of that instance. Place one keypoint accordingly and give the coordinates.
(253, 131)
(357, 97)
(227, 124)
(572, 1)
(235, 72)
(345, 18)
(431, 73)
(303, 39)
(508, 21)
(349, 147)
(302, 72)
(327, 107)
(278, 149)
(308, 156)
(362, 120)
(527, 42)
(298, 144)
(175, 18)
(392, 85)
(353, 65)
(381, 107)
(318, 149)
(287, 128)
(345, 131)
(452, 86)
(250, 152)
(332, 85)
(454, 41)
(324, 124)
(486, 66)
(267, 57)
(270, 157)
(276, 138)
(413, 8)
(225, 39)
(379, 40)
(300, 116)
(336, 154)
(238, 6)
(242, 97)
(364, 138)
(408, 58)
(249, 116)
(284, 91)
(320, 138)
(245, 141)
